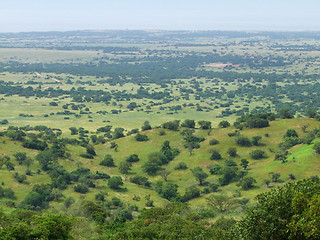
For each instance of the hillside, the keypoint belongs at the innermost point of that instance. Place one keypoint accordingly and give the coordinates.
(301, 162)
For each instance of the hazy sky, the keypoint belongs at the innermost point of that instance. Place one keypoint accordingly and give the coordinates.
(51, 15)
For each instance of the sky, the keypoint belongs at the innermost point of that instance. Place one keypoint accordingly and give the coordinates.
(65, 15)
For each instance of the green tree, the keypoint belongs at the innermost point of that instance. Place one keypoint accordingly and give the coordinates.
(146, 126)
(169, 191)
(199, 174)
(174, 221)
(73, 130)
(125, 167)
(90, 150)
(244, 163)
(107, 161)
(115, 182)
(243, 141)
(141, 137)
(172, 125)
(153, 164)
(316, 147)
(46, 159)
(220, 202)
(20, 157)
(232, 152)
(291, 133)
(229, 173)
(118, 133)
(285, 113)
(256, 140)
(257, 154)
(246, 183)
(187, 133)
(224, 124)
(215, 155)
(133, 158)
(288, 212)
(188, 123)
(205, 124)
(274, 176)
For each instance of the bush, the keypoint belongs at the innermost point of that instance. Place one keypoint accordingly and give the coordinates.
(243, 141)
(181, 166)
(146, 126)
(215, 169)
(140, 137)
(54, 104)
(172, 125)
(232, 152)
(246, 183)
(215, 155)
(149, 203)
(291, 133)
(257, 154)
(316, 147)
(213, 141)
(191, 193)
(133, 158)
(81, 188)
(86, 155)
(115, 182)
(162, 133)
(125, 167)
(188, 123)
(107, 161)
(224, 124)
(139, 180)
(4, 122)
(230, 163)
(99, 196)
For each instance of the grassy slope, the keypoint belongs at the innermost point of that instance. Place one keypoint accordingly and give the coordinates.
(306, 162)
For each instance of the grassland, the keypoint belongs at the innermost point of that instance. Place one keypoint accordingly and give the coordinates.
(207, 93)
(304, 165)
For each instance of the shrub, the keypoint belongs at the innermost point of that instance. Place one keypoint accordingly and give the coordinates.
(257, 154)
(213, 141)
(81, 188)
(4, 122)
(149, 203)
(246, 183)
(133, 158)
(54, 104)
(139, 180)
(115, 182)
(107, 161)
(291, 133)
(191, 193)
(181, 166)
(215, 155)
(224, 124)
(188, 123)
(162, 133)
(86, 155)
(215, 169)
(316, 147)
(125, 167)
(140, 137)
(230, 163)
(243, 141)
(172, 125)
(232, 152)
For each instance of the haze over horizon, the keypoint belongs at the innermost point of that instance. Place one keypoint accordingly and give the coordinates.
(58, 15)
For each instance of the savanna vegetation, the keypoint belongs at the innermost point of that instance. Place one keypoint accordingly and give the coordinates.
(167, 135)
